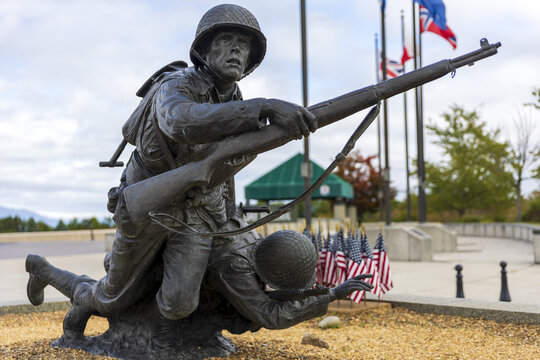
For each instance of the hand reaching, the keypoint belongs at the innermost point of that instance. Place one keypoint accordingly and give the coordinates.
(354, 284)
(297, 120)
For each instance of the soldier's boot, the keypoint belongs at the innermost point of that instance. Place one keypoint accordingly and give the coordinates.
(42, 273)
(82, 308)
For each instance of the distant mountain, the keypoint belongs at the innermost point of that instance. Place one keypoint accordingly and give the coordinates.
(27, 214)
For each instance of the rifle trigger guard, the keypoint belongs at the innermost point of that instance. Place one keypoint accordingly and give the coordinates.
(453, 73)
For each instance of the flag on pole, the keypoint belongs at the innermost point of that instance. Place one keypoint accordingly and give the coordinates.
(437, 10)
(341, 261)
(433, 19)
(393, 68)
(408, 48)
(322, 257)
(383, 264)
(356, 266)
(367, 255)
(329, 265)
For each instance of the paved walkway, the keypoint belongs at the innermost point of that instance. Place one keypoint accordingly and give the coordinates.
(479, 257)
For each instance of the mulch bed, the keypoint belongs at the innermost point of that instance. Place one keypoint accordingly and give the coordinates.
(379, 333)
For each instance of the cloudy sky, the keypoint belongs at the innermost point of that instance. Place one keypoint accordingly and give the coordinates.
(69, 71)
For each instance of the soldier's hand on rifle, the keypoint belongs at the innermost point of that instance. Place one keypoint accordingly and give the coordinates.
(297, 120)
(354, 284)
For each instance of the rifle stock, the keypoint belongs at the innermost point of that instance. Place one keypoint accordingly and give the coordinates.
(223, 159)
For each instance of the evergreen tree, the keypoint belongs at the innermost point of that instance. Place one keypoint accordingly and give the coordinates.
(61, 226)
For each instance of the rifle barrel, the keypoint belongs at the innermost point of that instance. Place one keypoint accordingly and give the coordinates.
(214, 165)
(340, 107)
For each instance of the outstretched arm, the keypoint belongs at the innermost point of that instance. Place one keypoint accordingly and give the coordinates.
(185, 120)
(339, 292)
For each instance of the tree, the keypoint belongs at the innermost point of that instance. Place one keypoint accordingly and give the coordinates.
(523, 155)
(364, 177)
(536, 105)
(60, 226)
(533, 213)
(472, 174)
(536, 95)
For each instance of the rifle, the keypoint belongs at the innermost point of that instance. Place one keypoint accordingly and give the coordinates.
(223, 159)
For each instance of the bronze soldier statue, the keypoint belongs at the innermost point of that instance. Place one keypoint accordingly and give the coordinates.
(192, 284)
(182, 111)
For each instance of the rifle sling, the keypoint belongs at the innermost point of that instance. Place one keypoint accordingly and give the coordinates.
(163, 144)
(285, 208)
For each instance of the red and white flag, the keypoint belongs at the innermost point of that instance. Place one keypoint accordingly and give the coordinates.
(408, 48)
(356, 266)
(329, 265)
(341, 260)
(367, 255)
(383, 264)
(323, 249)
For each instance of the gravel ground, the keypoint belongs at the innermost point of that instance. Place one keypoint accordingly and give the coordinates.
(380, 333)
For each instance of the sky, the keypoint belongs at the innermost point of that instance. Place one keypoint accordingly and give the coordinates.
(69, 71)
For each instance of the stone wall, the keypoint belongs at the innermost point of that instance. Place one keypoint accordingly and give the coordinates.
(75, 235)
(514, 231)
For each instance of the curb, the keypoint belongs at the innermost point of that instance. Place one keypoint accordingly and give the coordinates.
(506, 312)
(29, 308)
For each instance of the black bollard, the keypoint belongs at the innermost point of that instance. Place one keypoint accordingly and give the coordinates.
(459, 276)
(505, 294)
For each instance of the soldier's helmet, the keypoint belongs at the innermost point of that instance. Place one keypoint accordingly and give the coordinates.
(229, 16)
(286, 260)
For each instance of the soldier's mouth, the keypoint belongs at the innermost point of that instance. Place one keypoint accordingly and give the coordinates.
(233, 62)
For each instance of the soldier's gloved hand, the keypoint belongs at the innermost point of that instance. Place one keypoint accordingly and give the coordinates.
(294, 118)
(348, 287)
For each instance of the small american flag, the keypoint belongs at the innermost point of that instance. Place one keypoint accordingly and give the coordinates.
(371, 265)
(322, 257)
(329, 265)
(383, 264)
(356, 266)
(341, 261)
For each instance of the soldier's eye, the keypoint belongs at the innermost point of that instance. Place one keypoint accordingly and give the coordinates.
(225, 39)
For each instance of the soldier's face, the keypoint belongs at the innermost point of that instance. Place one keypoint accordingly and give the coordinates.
(228, 54)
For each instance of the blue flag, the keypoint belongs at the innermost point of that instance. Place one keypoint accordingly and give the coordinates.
(437, 10)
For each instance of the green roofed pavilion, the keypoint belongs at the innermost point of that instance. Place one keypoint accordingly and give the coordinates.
(285, 182)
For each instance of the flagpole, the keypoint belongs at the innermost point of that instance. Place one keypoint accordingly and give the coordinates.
(307, 162)
(380, 184)
(421, 165)
(419, 126)
(385, 121)
(406, 126)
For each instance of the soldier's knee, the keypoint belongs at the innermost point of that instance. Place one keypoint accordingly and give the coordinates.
(177, 307)
(179, 311)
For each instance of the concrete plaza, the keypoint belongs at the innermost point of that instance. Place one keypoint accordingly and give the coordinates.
(479, 256)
